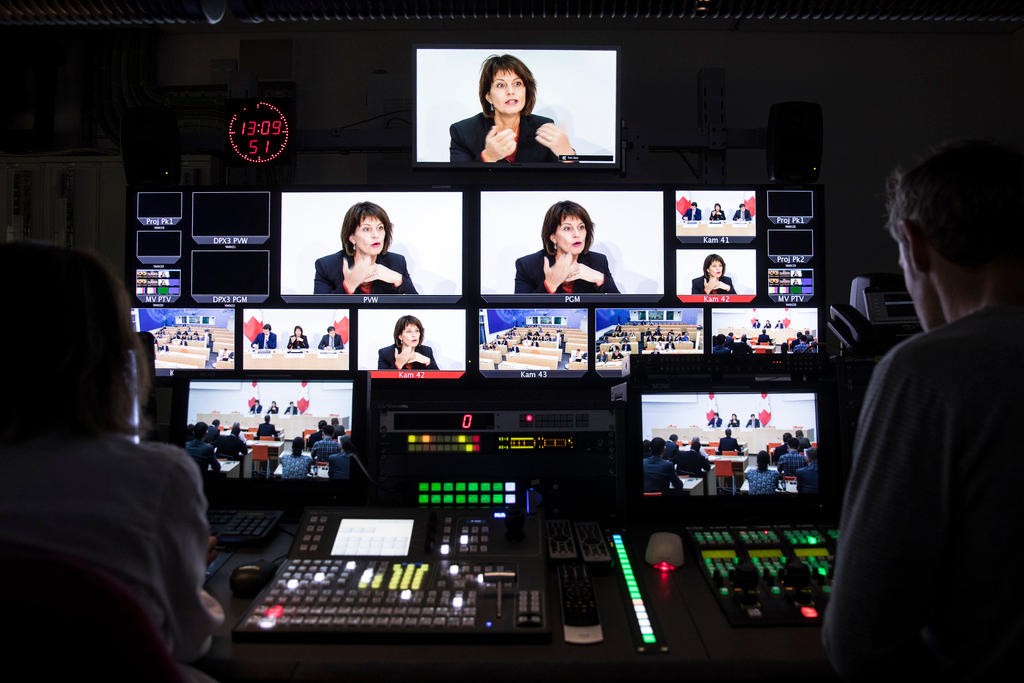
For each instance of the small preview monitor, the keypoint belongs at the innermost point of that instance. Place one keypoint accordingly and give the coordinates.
(620, 332)
(715, 217)
(370, 247)
(534, 343)
(158, 208)
(157, 285)
(231, 218)
(296, 339)
(462, 93)
(571, 246)
(158, 247)
(790, 207)
(412, 344)
(741, 331)
(790, 245)
(189, 338)
(230, 276)
(712, 275)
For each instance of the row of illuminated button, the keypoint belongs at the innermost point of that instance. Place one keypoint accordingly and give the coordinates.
(466, 499)
(467, 486)
(444, 438)
(639, 609)
(444, 448)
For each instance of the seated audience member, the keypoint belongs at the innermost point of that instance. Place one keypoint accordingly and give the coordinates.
(326, 446)
(718, 344)
(212, 432)
(659, 475)
(753, 422)
(266, 429)
(88, 493)
(296, 465)
(935, 477)
(728, 443)
(201, 451)
(339, 431)
(782, 448)
(762, 481)
(804, 442)
(763, 338)
(807, 477)
(741, 347)
(317, 435)
(692, 462)
(792, 459)
(340, 463)
(231, 446)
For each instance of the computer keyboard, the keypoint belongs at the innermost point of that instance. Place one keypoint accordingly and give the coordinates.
(242, 526)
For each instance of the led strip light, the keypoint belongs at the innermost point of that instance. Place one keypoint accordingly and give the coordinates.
(643, 620)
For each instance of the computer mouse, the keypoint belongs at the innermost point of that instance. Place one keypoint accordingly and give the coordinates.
(248, 579)
(664, 550)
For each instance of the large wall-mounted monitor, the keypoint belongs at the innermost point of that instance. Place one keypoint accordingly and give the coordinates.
(524, 109)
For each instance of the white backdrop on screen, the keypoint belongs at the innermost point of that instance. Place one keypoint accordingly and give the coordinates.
(706, 200)
(444, 331)
(628, 229)
(740, 267)
(448, 82)
(427, 232)
(685, 410)
(325, 398)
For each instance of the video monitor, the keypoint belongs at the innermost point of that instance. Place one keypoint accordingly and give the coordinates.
(371, 247)
(158, 247)
(764, 330)
(189, 338)
(403, 343)
(571, 246)
(295, 339)
(711, 275)
(712, 217)
(158, 285)
(231, 218)
(158, 208)
(270, 414)
(734, 427)
(620, 332)
(534, 342)
(230, 276)
(505, 106)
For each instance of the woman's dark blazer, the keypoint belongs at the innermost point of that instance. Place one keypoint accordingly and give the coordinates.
(303, 342)
(698, 286)
(469, 136)
(329, 275)
(386, 359)
(530, 274)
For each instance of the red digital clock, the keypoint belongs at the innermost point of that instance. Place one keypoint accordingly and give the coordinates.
(258, 132)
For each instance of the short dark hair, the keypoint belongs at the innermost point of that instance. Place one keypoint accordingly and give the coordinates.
(267, 326)
(673, 437)
(216, 422)
(321, 424)
(330, 328)
(728, 432)
(402, 323)
(695, 444)
(107, 360)
(793, 443)
(962, 185)
(493, 66)
(266, 418)
(762, 460)
(327, 430)
(811, 454)
(557, 213)
(355, 215)
(786, 437)
(711, 258)
(657, 445)
(297, 445)
(199, 430)
(236, 429)
(798, 433)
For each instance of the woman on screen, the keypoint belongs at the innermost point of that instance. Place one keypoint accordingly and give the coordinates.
(507, 131)
(298, 339)
(714, 280)
(364, 265)
(717, 214)
(408, 352)
(565, 265)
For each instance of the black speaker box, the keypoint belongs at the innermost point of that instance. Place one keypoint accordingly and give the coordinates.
(794, 142)
(150, 146)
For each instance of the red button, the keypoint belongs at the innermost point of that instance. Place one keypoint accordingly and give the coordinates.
(809, 612)
(275, 611)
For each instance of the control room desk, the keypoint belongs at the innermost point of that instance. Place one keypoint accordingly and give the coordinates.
(702, 644)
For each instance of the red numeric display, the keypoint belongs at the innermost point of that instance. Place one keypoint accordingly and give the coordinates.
(258, 132)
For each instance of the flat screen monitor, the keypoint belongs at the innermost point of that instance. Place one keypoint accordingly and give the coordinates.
(534, 342)
(764, 330)
(620, 332)
(297, 339)
(558, 127)
(412, 343)
(189, 338)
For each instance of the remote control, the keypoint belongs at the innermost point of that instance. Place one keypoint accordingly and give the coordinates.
(579, 604)
(561, 545)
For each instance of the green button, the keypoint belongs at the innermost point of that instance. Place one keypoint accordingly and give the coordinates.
(448, 499)
(460, 486)
(485, 499)
(775, 590)
(448, 486)
(424, 498)
(474, 499)
(498, 486)
(424, 486)
(485, 486)
(435, 499)
(650, 639)
(460, 499)
(474, 486)
(436, 486)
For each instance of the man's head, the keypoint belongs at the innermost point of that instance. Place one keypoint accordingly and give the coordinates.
(793, 444)
(266, 328)
(199, 431)
(811, 454)
(728, 432)
(236, 429)
(799, 433)
(266, 418)
(657, 446)
(673, 437)
(695, 445)
(937, 208)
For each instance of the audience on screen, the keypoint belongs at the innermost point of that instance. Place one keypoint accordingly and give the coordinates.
(807, 476)
(326, 445)
(339, 464)
(692, 462)
(792, 459)
(201, 451)
(296, 465)
(231, 446)
(762, 481)
(659, 474)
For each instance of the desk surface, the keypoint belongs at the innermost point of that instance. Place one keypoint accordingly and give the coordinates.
(701, 643)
